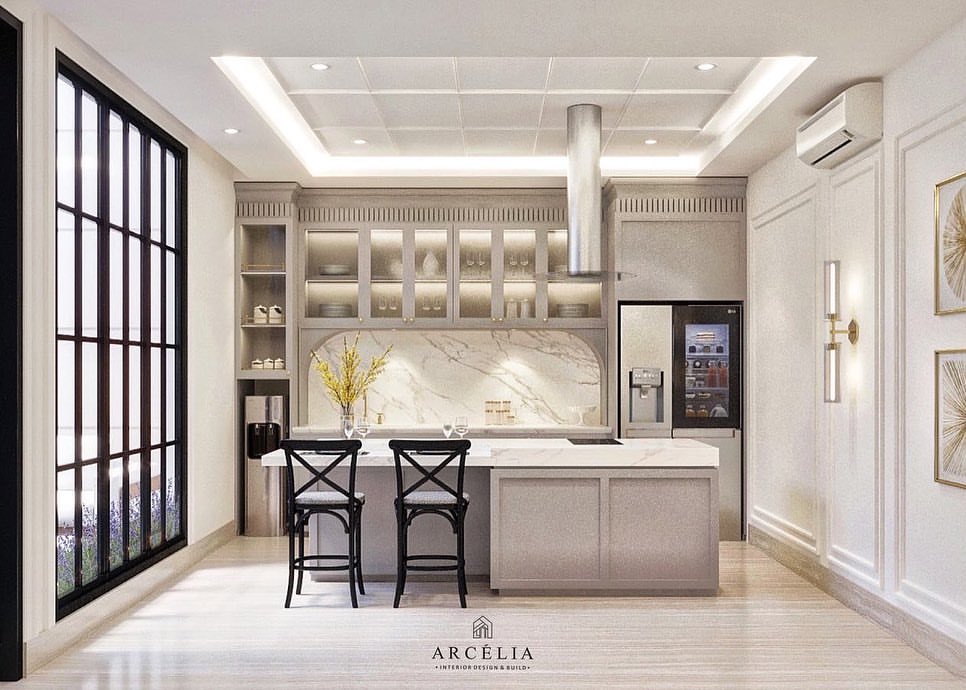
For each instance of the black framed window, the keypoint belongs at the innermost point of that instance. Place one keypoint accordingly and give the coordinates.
(120, 245)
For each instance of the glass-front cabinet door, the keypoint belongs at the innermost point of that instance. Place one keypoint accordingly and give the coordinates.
(386, 266)
(519, 261)
(332, 274)
(474, 253)
(430, 283)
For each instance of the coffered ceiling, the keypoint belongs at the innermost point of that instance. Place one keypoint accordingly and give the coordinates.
(486, 81)
(433, 106)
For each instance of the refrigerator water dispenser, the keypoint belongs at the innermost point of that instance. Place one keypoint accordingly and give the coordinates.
(646, 395)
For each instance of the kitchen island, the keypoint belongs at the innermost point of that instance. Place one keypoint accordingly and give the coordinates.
(548, 515)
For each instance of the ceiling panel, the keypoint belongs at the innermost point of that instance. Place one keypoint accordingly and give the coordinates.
(495, 142)
(551, 142)
(501, 110)
(419, 110)
(338, 110)
(428, 142)
(410, 73)
(587, 74)
(631, 142)
(339, 141)
(671, 110)
(555, 108)
(503, 73)
(679, 73)
(297, 73)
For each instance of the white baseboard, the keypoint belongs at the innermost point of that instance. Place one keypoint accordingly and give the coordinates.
(100, 612)
(918, 634)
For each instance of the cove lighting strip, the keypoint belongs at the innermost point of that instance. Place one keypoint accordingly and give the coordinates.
(253, 78)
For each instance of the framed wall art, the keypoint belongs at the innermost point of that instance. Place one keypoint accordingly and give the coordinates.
(950, 210)
(950, 465)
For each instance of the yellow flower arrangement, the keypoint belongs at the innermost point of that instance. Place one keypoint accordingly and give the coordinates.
(350, 381)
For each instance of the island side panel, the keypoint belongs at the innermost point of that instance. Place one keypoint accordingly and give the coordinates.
(639, 529)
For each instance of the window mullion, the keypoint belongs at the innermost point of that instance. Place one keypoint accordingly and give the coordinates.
(78, 355)
(125, 350)
(145, 390)
(103, 348)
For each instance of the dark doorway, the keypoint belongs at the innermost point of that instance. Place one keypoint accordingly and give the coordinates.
(11, 460)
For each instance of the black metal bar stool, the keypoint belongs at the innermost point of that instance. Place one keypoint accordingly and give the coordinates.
(448, 502)
(342, 503)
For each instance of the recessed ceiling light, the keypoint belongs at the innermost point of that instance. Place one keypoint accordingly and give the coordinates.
(705, 66)
(319, 66)
(650, 142)
(230, 130)
(359, 142)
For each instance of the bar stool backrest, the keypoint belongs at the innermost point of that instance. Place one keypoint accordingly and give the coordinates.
(340, 451)
(448, 450)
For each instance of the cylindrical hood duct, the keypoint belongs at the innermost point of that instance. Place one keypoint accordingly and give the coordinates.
(583, 189)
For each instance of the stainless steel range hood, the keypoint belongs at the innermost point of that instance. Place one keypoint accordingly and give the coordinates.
(584, 235)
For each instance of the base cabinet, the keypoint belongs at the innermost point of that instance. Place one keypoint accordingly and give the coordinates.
(645, 530)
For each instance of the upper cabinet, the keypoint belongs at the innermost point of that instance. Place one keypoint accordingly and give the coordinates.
(262, 304)
(455, 274)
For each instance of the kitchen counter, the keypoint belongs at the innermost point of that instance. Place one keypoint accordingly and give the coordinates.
(485, 431)
(552, 453)
(547, 515)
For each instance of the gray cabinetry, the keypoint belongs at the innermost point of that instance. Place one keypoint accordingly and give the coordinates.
(646, 529)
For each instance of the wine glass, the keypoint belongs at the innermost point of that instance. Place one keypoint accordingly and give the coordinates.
(513, 264)
(481, 262)
(470, 263)
(524, 262)
(348, 425)
(382, 303)
(447, 429)
(363, 428)
(437, 303)
(461, 426)
(392, 303)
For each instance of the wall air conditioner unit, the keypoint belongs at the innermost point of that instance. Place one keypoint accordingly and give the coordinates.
(850, 123)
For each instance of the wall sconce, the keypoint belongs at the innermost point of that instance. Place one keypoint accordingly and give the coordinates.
(833, 377)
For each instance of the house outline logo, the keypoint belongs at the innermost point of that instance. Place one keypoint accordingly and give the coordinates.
(482, 629)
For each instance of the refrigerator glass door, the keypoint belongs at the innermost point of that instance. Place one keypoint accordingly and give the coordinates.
(707, 377)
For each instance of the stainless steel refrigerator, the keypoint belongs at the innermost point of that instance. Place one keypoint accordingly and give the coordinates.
(680, 377)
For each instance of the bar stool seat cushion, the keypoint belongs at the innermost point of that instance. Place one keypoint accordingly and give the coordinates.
(326, 498)
(433, 498)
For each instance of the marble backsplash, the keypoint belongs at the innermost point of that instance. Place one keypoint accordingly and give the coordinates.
(437, 375)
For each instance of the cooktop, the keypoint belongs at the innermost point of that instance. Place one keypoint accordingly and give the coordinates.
(595, 442)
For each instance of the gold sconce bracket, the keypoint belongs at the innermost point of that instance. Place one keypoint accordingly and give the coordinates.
(852, 331)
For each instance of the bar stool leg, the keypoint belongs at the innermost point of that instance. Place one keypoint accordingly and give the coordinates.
(460, 563)
(358, 564)
(298, 588)
(401, 537)
(291, 563)
(352, 557)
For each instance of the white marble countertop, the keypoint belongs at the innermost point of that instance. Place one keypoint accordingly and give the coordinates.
(553, 452)
(490, 430)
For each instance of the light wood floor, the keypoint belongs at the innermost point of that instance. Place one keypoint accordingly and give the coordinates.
(223, 626)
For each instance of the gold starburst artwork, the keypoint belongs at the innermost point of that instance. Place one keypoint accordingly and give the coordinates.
(954, 245)
(950, 248)
(951, 417)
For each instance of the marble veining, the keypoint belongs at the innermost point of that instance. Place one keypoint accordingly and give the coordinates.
(432, 376)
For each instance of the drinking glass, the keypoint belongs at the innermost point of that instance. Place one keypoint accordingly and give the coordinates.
(513, 264)
(447, 429)
(470, 263)
(481, 262)
(524, 262)
(363, 428)
(348, 425)
(382, 303)
(437, 304)
(392, 303)
(461, 426)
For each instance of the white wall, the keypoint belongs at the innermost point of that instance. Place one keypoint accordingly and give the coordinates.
(851, 484)
(210, 325)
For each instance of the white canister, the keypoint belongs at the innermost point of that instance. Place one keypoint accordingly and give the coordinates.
(275, 314)
(260, 314)
(279, 363)
(525, 310)
(258, 364)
